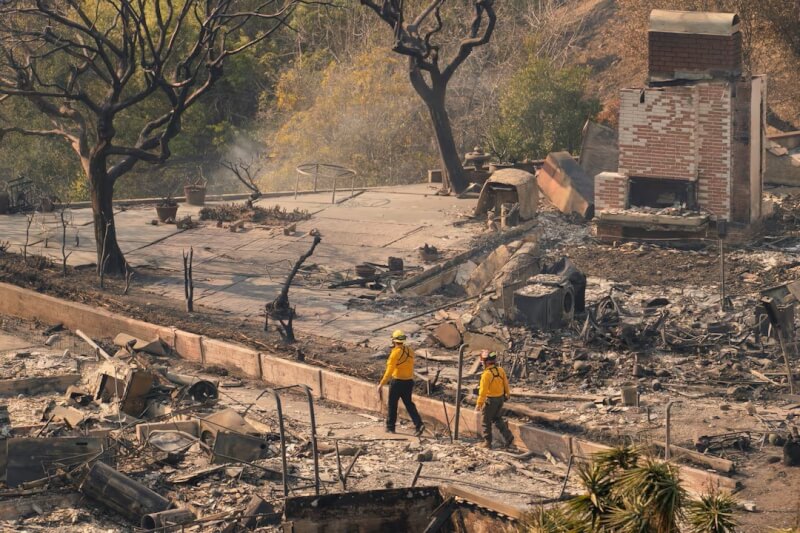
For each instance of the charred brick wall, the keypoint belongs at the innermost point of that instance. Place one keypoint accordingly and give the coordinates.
(671, 54)
(681, 132)
(610, 191)
(657, 133)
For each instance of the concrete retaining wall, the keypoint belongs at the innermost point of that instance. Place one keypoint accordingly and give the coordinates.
(279, 372)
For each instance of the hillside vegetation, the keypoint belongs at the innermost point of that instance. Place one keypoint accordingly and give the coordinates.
(331, 90)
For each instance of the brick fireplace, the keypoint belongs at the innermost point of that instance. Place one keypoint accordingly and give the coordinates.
(692, 139)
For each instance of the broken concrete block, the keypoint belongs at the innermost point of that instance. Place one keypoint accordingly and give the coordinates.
(509, 185)
(447, 335)
(463, 272)
(479, 341)
(69, 415)
(486, 271)
(514, 275)
(290, 230)
(567, 185)
(153, 347)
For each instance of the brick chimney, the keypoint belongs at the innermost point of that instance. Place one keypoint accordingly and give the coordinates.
(691, 45)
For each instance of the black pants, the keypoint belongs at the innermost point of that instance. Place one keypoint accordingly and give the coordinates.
(401, 389)
(492, 414)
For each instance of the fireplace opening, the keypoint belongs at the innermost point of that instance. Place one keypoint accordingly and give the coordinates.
(660, 193)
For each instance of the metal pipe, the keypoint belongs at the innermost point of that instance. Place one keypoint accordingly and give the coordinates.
(349, 468)
(339, 464)
(458, 388)
(429, 311)
(669, 428)
(282, 430)
(566, 477)
(416, 475)
(447, 419)
(313, 436)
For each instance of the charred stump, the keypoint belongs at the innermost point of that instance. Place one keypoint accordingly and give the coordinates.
(280, 309)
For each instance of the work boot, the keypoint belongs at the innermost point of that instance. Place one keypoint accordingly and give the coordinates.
(485, 445)
(509, 443)
(420, 430)
(389, 430)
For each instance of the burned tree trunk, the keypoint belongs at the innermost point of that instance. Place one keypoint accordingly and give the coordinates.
(188, 281)
(280, 309)
(434, 98)
(110, 259)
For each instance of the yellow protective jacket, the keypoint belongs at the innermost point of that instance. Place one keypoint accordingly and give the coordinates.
(400, 364)
(494, 383)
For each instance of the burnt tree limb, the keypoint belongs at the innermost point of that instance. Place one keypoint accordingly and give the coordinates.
(280, 309)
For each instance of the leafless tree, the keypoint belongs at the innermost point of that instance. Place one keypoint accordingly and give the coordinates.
(280, 309)
(90, 68)
(246, 171)
(415, 40)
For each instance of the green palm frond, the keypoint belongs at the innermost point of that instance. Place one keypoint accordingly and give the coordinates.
(619, 458)
(551, 520)
(712, 513)
(632, 517)
(657, 485)
(588, 508)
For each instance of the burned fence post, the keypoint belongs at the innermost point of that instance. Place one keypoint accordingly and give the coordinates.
(29, 221)
(280, 309)
(188, 282)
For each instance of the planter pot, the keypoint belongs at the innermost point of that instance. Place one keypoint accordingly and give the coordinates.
(5, 203)
(167, 213)
(195, 195)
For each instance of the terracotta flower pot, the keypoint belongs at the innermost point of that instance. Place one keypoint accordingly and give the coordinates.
(195, 194)
(167, 213)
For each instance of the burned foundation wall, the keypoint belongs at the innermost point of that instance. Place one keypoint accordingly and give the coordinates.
(362, 512)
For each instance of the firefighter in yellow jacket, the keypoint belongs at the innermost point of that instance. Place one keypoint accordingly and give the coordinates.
(492, 394)
(400, 370)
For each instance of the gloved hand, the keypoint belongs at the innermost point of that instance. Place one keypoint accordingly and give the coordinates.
(378, 388)
(507, 397)
(478, 408)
